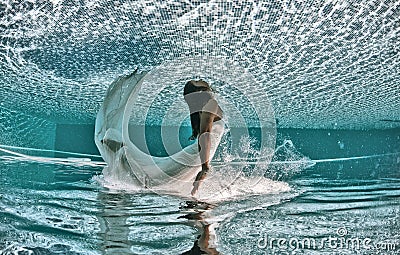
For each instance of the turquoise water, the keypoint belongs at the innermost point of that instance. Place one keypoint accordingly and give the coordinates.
(49, 208)
(322, 78)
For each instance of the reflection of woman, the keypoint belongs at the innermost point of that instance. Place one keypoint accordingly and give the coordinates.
(204, 110)
(206, 241)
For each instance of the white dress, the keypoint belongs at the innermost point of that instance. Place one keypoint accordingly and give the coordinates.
(126, 163)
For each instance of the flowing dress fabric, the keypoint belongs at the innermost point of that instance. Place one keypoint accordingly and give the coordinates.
(126, 163)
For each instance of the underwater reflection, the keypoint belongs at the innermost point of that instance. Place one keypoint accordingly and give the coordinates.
(112, 217)
(119, 211)
(205, 243)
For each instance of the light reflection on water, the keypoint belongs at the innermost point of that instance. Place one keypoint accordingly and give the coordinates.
(50, 209)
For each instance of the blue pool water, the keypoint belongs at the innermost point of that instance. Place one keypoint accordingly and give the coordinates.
(49, 208)
(314, 81)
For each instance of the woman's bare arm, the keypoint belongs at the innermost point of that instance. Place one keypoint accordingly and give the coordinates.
(204, 141)
(207, 117)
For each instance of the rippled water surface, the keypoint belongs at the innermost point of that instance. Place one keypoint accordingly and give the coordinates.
(321, 62)
(55, 209)
(328, 68)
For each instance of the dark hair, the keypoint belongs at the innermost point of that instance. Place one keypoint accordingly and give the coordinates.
(190, 87)
(195, 116)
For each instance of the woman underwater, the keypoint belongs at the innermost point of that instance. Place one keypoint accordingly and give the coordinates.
(204, 111)
(127, 164)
